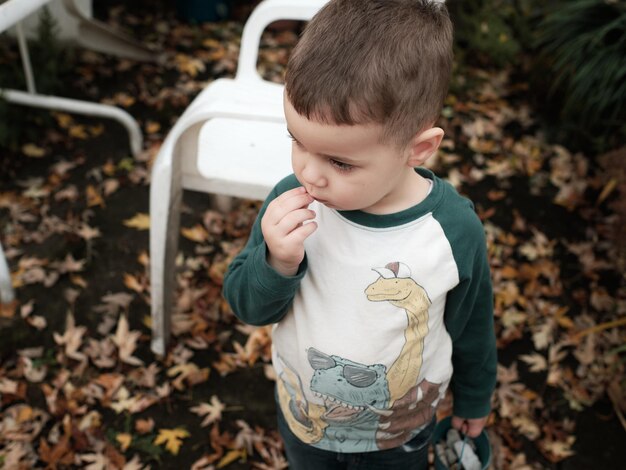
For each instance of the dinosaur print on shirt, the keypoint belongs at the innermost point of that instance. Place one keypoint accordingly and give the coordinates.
(356, 398)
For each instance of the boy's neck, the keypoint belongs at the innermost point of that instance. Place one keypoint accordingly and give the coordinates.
(414, 190)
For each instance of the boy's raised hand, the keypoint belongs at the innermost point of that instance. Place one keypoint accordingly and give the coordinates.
(284, 229)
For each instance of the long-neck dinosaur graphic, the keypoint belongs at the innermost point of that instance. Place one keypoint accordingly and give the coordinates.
(396, 286)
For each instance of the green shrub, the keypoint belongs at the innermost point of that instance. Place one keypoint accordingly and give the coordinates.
(581, 48)
(50, 61)
(492, 32)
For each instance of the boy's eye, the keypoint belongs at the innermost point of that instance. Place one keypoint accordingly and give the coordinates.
(294, 140)
(341, 166)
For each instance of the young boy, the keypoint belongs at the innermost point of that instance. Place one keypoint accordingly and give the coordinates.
(373, 270)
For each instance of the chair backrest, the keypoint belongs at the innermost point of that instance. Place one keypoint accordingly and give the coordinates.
(267, 12)
(263, 15)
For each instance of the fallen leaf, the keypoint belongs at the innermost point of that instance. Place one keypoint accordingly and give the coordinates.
(133, 283)
(139, 221)
(231, 456)
(212, 412)
(172, 438)
(33, 151)
(189, 373)
(144, 426)
(124, 439)
(197, 233)
(93, 197)
(71, 339)
(126, 342)
(536, 362)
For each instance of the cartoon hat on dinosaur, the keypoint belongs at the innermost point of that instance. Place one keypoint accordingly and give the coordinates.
(394, 269)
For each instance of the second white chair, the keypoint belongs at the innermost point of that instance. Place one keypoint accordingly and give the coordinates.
(231, 140)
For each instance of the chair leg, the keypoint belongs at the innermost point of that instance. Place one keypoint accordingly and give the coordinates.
(165, 202)
(222, 203)
(6, 289)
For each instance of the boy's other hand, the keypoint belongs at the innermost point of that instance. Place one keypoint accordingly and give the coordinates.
(470, 427)
(284, 229)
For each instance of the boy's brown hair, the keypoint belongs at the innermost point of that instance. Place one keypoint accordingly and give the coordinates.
(373, 61)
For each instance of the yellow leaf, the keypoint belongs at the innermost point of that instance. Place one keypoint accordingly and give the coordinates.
(140, 221)
(211, 43)
(124, 439)
(95, 131)
(31, 150)
(231, 456)
(124, 99)
(143, 258)
(607, 190)
(25, 414)
(93, 197)
(188, 372)
(63, 120)
(196, 233)
(132, 283)
(172, 438)
(189, 65)
(79, 132)
(109, 168)
(152, 127)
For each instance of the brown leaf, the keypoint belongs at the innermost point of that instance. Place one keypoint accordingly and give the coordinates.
(72, 339)
(60, 453)
(144, 426)
(126, 342)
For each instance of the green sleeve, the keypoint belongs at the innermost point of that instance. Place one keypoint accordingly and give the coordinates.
(469, 314)
(258, 294)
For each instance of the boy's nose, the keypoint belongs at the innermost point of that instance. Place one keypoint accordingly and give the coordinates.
(312, 174)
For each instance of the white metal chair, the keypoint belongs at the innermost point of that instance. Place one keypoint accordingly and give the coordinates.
(231, 140)
(92, 33)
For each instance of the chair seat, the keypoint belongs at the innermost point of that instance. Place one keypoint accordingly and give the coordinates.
(244, 148)
(243, 157)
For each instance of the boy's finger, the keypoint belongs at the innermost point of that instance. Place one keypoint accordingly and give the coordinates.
(475, 426)
(294, 219)
(302, 232)
(287, 202)
(459, 424)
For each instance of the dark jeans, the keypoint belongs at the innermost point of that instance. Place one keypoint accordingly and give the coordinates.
(411, 456)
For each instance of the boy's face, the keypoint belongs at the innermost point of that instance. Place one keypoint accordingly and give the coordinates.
(347, 167)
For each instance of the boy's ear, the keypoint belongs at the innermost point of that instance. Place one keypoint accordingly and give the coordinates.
(423, 146)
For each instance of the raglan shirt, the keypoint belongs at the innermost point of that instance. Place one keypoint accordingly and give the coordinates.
(382, 310)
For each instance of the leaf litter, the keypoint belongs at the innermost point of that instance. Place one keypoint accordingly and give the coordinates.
(81, 387)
